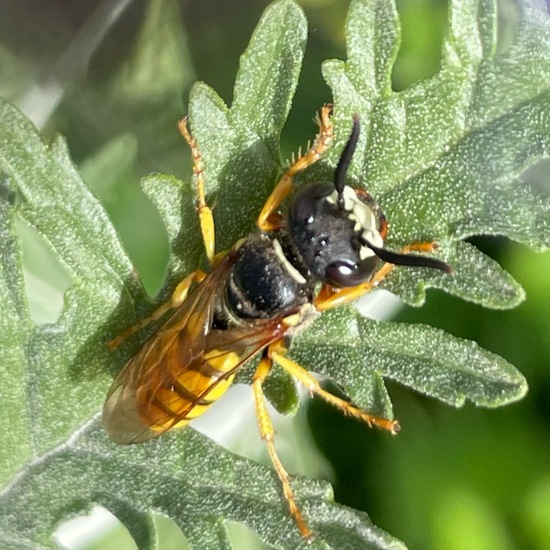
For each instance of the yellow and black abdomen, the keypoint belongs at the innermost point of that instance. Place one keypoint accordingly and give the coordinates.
(189, 394)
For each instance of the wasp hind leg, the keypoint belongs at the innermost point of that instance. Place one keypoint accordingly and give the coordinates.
(178, 297)
(269, 219)
(206, 217)
(268, 435)
(277, 352)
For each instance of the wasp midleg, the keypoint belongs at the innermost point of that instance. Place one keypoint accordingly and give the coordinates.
(277, 352)
(206, 219)
(178, 297)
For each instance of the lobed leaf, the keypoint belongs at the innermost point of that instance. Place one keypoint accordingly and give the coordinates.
(195, 482)
(239, 144)
(358, 353)
(445, 159)
(442, 162)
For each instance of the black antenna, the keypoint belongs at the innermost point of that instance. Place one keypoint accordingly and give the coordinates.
(345, 160)
(412, 260)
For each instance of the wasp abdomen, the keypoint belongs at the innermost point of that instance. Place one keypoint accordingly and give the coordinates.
(189, 394)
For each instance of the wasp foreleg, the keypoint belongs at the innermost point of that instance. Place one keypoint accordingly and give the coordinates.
(269, 219)
(329, 297)
(268, 434)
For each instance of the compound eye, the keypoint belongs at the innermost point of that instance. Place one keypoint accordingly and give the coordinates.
(303, 209)
(306, 201)
(345, 274)
(342, 274)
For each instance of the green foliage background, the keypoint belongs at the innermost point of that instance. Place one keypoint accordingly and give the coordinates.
(458, 479)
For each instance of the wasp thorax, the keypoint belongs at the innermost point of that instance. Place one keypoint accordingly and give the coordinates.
(332, 230)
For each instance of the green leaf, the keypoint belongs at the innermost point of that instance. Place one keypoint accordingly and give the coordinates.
(357, 353)
(134, 86)
(44, 190)
(60, 373)
(445, 159)
(200, 484)
(16, 327)
(240, 144)
(48, 369)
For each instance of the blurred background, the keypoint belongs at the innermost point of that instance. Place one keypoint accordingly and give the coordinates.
(113, 77)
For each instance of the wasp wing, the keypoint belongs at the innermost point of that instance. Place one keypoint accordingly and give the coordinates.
(184, 367)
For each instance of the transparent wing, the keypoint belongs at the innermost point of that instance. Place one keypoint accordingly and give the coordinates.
(183, 368)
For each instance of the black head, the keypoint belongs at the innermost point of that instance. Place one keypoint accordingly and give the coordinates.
(339, 231)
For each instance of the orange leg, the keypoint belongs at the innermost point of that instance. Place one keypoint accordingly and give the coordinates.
(329, 297)
(178, 297)
(269, 219)
(205, 212)
(268, 434)
(277, 352)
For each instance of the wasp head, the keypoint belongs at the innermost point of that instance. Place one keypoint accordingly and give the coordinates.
(339, 231)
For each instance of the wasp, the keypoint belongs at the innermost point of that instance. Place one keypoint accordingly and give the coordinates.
(322, 251)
